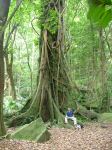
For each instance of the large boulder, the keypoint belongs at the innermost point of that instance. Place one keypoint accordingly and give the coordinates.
(35, 131)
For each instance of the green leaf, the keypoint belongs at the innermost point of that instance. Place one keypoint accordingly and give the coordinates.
(106, 18)
(95, 13)
(101, 14)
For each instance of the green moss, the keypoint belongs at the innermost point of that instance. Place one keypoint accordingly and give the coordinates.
(35, 131)
(105, 117)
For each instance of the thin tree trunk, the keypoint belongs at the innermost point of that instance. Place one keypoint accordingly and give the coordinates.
(29, 66)
(2, 127)
(4, 7)
(10, 75)
(104, 92)
(9, 62)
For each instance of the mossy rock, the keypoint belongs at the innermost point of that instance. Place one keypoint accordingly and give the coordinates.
(105, 118)
(35, 131)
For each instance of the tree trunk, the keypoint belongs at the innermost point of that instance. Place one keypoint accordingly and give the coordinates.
(53, 79)
(94, 55)
(9, 61)
(2, 127)
(4, 7)
(10, 75)
(104, 92)
(52, 90)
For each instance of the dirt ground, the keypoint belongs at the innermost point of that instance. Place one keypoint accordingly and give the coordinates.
(92, 137)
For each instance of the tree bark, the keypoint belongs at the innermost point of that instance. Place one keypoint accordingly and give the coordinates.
(10, 75)
(4, 7)
(2, 127)
(104, 92)
(9, 62)
(50, 91)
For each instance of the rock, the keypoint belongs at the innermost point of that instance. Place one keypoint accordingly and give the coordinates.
(35, 131)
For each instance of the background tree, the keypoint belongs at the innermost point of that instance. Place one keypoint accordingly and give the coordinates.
(9, 60)
(4, 8)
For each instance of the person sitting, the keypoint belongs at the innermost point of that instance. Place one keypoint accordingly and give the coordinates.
(70, 115)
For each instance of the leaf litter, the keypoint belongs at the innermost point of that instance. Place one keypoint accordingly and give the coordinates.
(91, 137)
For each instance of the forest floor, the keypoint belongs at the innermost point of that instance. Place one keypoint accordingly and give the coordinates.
(91, 137)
